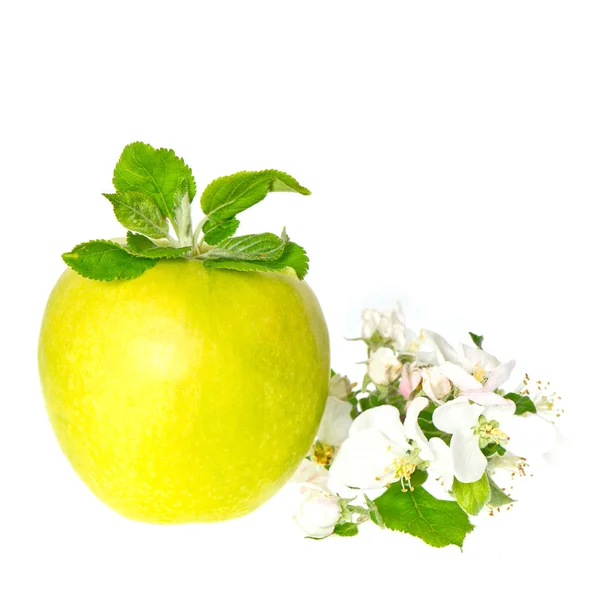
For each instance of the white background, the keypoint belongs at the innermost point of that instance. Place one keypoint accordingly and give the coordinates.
(452, 149)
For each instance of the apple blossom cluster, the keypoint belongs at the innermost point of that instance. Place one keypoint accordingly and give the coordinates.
(426, 418)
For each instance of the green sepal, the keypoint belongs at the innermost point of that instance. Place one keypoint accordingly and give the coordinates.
(498, 497)
(346, 529)
(418, 478)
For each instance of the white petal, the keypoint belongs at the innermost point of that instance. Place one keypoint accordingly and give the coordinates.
(469, 462)
(312, 473)
(499, 375)
(484, 398)
(384, 419)
(456, 416)
(412, 429)
(441, 461)
(364, 461)
(336, 422)
(459, 377)
(480, 357)
(371, 319)
(500, 412)
(530, 436)
(445, 349)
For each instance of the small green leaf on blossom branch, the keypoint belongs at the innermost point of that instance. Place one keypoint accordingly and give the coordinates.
(472, 496)
(439, 523)
(293, 259)
(228, 196)
(497, 497)
(477, 339)
(524, 404)
(425, 420)
(154, 172)
(373, 511)
(346, 529)
(140, 245)
(265, 247)
(217, 231)
(106, 261)
(137, 211)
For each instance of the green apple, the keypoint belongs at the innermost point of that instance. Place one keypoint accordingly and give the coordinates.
(187, 393)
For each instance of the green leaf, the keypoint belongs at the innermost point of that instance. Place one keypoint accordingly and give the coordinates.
(155, 172)
(497, 497)
(228, 196)
(477, 340)
(293, 257)
(217, 231)
(425, 420)
(439, 523)
(140, 245)
(137, 211)
(524, 403)
(472, 496)
(266, 247)
(106, 261)
(346, 529)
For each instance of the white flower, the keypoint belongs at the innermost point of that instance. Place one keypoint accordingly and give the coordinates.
(389, 324)
(384, 367)
(474, 426)
(461, 419)
(318, 513)
(335, 422)
(340, 387)
(472, 388)
(377, 451)
(319, 508)
(478, 362)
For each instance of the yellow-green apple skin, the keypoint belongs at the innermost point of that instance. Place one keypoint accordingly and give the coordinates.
(187, 394)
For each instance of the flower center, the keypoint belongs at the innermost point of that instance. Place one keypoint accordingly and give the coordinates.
(479, 373)
(403, 468)
(322, 453)
(489, 432)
